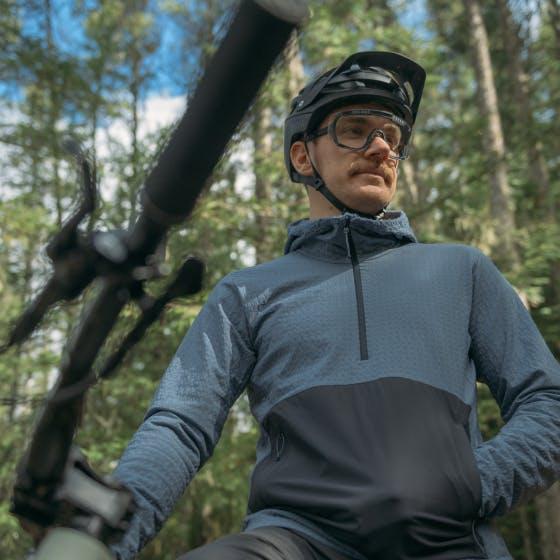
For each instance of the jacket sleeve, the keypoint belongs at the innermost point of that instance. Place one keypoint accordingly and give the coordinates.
(184, 421)
(512, 358)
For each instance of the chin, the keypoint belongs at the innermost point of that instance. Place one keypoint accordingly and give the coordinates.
(369, 208)
(369, 204)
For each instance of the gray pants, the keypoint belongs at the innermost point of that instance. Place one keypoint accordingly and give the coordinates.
(266, 543)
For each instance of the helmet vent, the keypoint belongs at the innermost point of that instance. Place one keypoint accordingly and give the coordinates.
(409, 91)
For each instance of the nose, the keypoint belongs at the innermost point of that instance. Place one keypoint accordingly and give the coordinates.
(378, 147)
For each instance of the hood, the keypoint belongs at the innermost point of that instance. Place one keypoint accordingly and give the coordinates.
(325, 239)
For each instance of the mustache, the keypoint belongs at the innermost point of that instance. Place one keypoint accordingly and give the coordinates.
(386, 171)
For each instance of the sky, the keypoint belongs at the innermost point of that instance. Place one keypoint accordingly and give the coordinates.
(163, 100)
(69, 35)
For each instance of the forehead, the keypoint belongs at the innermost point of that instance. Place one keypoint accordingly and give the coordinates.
(349, 107)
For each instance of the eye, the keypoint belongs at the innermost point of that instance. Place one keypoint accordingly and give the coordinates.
(392, 137)
(353, 129)
(392, 141)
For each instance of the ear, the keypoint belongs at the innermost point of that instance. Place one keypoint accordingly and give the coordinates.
(300, 158)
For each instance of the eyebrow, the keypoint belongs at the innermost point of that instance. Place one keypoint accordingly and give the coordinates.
(363, 118)
(353, 119)
(358, 118)
(393, 127)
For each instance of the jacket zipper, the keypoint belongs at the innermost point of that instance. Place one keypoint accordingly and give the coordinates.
(353, 256)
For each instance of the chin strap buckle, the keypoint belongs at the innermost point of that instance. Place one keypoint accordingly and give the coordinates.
(317, 183)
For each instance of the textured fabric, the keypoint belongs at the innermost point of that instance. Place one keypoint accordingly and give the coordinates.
(268, 543)
(440, 316)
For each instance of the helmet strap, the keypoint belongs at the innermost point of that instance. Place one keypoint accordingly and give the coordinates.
(316, 181)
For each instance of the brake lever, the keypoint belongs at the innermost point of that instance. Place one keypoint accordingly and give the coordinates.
(71, 259)
(188, 281)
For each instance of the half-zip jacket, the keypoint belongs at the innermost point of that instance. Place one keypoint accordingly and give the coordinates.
(360, 350)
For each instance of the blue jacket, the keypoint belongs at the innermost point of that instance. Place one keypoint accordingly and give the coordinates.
(360, 349)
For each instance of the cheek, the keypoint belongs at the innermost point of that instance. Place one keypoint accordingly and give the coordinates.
(335, 168)
(394, 175)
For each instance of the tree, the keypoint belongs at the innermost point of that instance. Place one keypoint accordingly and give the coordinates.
(526, 129)
(501, 201)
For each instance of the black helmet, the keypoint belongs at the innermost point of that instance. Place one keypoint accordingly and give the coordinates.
(390, 79)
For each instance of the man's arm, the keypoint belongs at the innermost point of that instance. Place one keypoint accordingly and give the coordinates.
(512, 358)
(186, 417)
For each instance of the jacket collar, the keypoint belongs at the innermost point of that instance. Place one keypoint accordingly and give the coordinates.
(325, 239)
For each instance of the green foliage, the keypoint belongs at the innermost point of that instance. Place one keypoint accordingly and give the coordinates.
(55, 85)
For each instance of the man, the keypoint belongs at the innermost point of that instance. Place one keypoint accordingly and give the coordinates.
(360, 349)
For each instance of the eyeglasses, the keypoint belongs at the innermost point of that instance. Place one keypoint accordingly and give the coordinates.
(356, 129)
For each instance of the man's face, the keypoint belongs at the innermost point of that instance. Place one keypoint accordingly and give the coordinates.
(364, 180)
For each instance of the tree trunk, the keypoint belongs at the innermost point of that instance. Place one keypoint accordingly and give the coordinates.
(295, 67)
(519, 80)
(134, 156)
(501, 201)
(548, 520)
(262, 140)
(554, 15)
(295, 83)
(553, 300)
(53, 112)
(407, 180)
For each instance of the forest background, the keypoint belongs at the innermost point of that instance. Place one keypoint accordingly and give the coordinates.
(484, 170)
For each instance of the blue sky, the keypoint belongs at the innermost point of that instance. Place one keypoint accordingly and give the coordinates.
(414, 16)
(69, 36)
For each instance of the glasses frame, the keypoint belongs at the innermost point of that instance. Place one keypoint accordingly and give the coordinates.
(377, 132)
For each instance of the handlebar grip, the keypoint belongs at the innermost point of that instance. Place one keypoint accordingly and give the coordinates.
(256, 37)
(68, 544)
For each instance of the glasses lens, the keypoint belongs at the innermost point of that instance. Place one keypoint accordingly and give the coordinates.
(355, 131)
